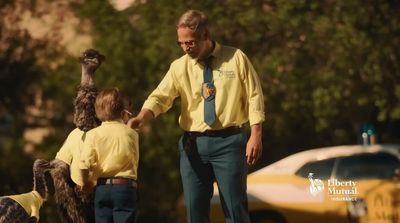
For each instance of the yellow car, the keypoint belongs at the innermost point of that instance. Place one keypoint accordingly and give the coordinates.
(326, 185)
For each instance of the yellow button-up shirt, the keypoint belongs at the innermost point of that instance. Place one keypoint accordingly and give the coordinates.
(111, 150)
(31, 202)
(70, 153)
(238, 98)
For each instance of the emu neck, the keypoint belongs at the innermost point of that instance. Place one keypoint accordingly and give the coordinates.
(87, 77)
(39, 183)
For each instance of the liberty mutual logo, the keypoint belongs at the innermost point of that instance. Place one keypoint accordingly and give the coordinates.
(316, 185)
(337, 190)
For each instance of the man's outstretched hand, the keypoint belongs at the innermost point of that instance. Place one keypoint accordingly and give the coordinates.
(138, 121)
(135, 122)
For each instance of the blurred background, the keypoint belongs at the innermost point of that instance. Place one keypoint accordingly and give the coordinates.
(328, 69)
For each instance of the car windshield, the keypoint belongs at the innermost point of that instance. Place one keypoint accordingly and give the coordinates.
(321, 169)
(367, 166)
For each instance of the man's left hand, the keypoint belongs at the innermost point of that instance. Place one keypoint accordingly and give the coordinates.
(254, 145)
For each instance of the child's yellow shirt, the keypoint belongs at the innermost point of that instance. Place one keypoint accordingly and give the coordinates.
(111, 150)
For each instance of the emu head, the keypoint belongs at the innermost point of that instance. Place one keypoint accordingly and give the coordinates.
(91, 59)
(41, 164)
(60, 170)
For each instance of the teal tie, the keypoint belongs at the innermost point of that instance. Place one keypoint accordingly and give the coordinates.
(208, 92)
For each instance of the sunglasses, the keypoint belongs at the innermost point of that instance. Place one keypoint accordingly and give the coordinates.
(189, 43)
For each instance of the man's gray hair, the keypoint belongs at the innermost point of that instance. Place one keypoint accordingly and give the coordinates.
(195, 20)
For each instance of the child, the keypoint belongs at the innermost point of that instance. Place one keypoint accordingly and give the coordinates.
(111, 154)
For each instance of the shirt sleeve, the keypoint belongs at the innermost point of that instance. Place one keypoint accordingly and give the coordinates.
(162, 98)
(88, 157)
(254, 95)
(65, 153)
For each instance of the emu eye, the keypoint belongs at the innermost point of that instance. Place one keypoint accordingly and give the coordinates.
(91, 55)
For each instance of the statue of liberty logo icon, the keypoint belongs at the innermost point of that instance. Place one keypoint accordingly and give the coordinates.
(316, 185)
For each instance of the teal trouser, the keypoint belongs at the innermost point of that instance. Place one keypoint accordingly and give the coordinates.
(214, 158)
(115, 203)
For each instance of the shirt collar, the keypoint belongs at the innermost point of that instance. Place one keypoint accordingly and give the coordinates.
(112, 122)
(38, 197)
(217, 50)
(215, 53)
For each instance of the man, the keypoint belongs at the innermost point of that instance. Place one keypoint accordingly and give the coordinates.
(219, 91)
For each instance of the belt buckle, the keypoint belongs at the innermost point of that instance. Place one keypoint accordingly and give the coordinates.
(109, 181)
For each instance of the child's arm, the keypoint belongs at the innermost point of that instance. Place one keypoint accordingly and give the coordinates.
(87, 184)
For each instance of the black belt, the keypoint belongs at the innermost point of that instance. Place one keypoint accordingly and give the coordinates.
(189, 138)
(220, 132)
(117, 181)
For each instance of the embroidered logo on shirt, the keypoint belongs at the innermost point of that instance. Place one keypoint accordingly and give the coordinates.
(226, 73)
